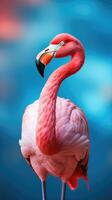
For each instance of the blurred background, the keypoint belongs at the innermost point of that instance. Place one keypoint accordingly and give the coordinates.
(26, 27)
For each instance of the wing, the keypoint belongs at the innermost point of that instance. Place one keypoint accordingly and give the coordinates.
(74, 132)
(81, 133)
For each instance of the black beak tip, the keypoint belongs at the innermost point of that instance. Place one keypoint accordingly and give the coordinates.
(40, 67)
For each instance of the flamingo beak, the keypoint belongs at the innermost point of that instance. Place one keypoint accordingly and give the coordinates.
(45, 56)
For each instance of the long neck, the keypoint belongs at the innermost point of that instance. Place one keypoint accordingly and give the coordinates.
(46, 137)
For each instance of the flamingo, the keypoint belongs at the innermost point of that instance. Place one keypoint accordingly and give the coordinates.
(55, 138)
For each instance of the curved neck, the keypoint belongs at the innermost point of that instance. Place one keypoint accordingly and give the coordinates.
(46, 137)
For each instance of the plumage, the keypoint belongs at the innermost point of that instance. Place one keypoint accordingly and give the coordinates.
(55, 138)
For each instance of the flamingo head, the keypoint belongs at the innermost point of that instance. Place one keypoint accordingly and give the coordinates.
(62, 45)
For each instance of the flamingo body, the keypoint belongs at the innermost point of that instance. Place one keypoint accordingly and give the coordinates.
(72, 133)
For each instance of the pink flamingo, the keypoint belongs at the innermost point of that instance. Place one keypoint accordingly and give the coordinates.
(55, 136)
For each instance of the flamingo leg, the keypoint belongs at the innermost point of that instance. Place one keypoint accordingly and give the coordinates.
(43, 190)
(63, 190)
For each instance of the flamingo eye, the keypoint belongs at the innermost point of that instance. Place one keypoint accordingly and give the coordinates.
(62, 43)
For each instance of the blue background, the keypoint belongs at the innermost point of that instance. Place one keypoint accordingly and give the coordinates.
(90, 89)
